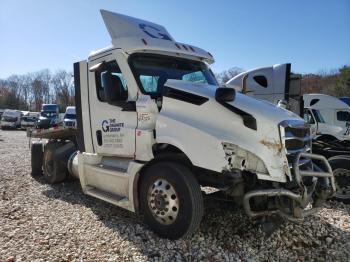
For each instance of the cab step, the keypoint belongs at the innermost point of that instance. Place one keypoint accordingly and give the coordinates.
(107, 196)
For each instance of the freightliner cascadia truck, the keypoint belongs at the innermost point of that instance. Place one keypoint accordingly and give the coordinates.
(153, 126)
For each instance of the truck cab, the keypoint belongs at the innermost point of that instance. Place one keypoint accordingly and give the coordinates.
(11, 119)
(69, 118)
(153, 126)
(334, 114)
(29, 119)
(49, 116)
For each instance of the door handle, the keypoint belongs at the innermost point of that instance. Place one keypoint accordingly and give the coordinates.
(99, 137)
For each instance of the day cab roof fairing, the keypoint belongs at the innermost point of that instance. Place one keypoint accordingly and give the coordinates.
(134, 35)
(322, 101)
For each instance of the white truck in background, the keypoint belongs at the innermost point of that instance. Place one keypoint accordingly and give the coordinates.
(153, 126)
(328, 116)
(11, 119)
(29, 119)
(69, 118)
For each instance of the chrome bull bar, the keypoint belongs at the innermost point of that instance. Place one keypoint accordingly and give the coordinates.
(302, 199)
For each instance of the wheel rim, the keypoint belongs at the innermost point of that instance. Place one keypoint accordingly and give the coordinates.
(49, 163)
(163, 202)
(342, 182)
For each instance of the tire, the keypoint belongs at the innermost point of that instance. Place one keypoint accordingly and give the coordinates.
(54, 171)
(341, 171)
(36, 159)
(180, 213)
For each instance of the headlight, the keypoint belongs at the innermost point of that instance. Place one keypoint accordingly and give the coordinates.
(239, 158)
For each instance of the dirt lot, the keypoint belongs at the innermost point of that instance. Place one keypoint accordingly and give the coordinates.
(39, 222)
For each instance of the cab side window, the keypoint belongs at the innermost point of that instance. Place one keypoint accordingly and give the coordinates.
(113, 69)
(343, 116)
(308, 117)
(149, 83)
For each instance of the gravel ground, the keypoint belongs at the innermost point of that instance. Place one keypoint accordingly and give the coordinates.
(39, 222)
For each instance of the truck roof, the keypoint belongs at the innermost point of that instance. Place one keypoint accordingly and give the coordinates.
(322, 101)
(135, 35)
(70, 110)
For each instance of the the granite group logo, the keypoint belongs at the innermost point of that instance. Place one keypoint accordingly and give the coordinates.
(111, 125)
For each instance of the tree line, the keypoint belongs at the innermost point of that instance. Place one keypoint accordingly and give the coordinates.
(31, 90)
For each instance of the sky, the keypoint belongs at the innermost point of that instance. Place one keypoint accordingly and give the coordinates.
(312, 35)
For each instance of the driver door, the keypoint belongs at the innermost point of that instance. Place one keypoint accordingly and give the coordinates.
(113, 125)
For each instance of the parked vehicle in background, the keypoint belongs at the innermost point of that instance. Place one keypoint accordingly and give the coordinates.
(69, 119)
(332, 116)
(153, 125)
(11, 119)
(49, 116)
(1, 112)
(328, 116)
(29, 120)
(345, 99)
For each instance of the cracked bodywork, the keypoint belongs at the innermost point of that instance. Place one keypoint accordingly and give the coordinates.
(273, 145)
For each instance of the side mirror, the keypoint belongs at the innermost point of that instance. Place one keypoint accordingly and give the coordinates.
(225, 94)
(282, 103)
(113, 88)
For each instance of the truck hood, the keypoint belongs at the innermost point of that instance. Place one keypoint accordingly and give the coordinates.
(261, 110)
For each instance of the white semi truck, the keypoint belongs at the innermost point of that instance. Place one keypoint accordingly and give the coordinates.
(153, 126)
(331, 115)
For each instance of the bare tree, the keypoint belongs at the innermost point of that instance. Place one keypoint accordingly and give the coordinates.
(226, 75)
(63, 88)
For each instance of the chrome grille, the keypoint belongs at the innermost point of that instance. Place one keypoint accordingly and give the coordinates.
(297, 140)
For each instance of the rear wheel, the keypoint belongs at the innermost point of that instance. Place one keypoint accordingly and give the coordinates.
(170, 200)
(54, 171)
(341, 172)
(36, 158)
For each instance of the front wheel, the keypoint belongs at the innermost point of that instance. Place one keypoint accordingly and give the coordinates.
(171, 200)
(341, 172)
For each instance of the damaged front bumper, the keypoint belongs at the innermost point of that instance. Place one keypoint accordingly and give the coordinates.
(294, 204)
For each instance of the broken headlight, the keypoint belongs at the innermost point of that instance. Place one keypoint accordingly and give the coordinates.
(241, 159)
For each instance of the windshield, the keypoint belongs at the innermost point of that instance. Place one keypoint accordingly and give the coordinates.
(49, 114)
(29, 118)
(70, 116)
(50, 107)
(152, 71)
(319, 118)
(9, 118)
